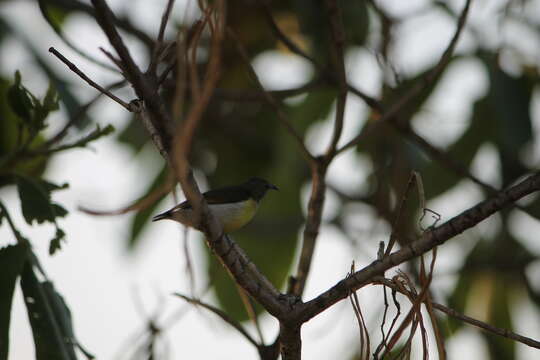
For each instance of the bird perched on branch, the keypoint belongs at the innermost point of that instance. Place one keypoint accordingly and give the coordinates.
(233, 206)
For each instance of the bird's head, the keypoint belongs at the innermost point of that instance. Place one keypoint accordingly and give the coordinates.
(258, 187)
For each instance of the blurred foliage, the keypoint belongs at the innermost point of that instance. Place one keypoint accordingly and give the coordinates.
(24, 153)
(241, 137)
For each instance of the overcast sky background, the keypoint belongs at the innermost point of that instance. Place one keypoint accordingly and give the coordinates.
(101, 283)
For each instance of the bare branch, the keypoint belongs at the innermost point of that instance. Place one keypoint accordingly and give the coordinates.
(311, 230)
(480, 324)
(428, 241)
(230, 255)
(251, 312)
(390, 114)
(487, 327)
(145, 87)
(138, 205)
(338, 61)
(159, 43)
(223, 315)
(90, 82)
(270, 99)
(373, 103)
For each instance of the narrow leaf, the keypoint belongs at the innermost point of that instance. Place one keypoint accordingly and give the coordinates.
(50, 344)
(12, 259)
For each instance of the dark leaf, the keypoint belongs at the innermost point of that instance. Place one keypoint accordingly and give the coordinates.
(35, 200)
(62, 314)
(480, 131)
(499, 315)
(72, 104)
(19, 99)
(50, 342)
(315, 24)
(50, 187)
(134, 135)
(142, 217)
(56, 242)
(49, 104)
(510, 101)
(12, 259)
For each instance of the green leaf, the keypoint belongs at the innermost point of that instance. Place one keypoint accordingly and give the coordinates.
(134, 135)
(73, 106)
(12, 259)
(50, 187)
(62, 314)
(56, 242)
(510, 101)
(19, 99)
(35, 200)
(141, 219)
(464, 150)
(500, 348)
(49, 104)
(315, 24)
(50, 341)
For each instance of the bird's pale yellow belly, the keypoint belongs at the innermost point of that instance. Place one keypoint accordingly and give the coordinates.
(234, 216)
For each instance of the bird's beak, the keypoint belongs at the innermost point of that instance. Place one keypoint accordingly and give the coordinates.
(273, 187)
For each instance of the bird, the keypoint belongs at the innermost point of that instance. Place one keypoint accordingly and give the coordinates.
(234, 206)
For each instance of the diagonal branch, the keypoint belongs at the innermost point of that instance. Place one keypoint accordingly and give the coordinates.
(428, 241)
(373, 103)
(244, 272)
(269, 98)
(159, 43)
(90, 82)
(389, 115)
(145, 86)
(469, 320)
(337, 35)
(223, 315)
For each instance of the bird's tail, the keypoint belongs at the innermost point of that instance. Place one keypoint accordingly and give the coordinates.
(165, 215)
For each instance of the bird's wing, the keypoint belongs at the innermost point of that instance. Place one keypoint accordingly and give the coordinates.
(229, 194)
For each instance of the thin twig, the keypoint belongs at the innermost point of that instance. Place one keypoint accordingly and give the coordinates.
(90, 82)
(469, 320)
(113, 59)
(428, 241)
(390, 114)
(373, 103)
(248, 305)
(450, 163)
(487, 327)
(311, 229)
(270, 99)
(122, 23)
(144, 87)
(81, 112)
(337, 35)
(138, 205)
(223, 315)
(159, 43)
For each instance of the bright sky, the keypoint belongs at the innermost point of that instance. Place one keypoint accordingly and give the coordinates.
(100, 282)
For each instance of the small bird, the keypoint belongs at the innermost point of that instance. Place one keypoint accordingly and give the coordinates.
(234, 206)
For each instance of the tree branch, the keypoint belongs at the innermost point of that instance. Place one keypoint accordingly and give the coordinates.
(337, 34)
(469, 320)
(389, 115)
(90, 82)
(223, 315)
(428, 241)
(145, 86)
